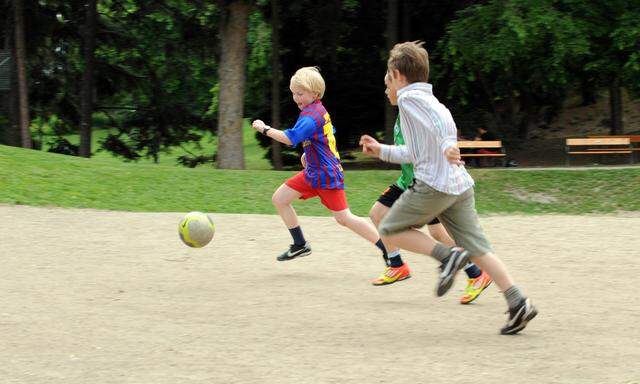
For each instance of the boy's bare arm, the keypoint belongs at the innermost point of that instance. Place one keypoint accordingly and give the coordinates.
(273, 133)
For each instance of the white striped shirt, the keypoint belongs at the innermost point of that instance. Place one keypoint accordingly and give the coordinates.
(428, 129)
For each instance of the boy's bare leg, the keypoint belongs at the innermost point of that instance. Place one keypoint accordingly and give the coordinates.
(357, 224)
(412, 240)
(376, 214)
(496, 269)
(439, 233)
(282, 199)
(396, 269)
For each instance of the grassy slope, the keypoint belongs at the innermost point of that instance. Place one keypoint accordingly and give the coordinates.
(38, 178)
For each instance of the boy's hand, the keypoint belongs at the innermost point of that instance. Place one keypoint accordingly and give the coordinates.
(370, 146)
(453, 155)
(303, 160)
(258, 125)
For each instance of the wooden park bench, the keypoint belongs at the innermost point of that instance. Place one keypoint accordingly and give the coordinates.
(634, 139)
(599, 146)
(494, 145)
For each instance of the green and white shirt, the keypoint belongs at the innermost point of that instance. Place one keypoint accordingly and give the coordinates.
(406, 178)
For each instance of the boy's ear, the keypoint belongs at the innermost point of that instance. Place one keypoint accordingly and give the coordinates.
(395, 74)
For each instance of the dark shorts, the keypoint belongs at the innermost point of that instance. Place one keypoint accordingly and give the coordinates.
(392, 194)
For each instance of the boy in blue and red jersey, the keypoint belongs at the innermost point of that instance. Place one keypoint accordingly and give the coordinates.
(323, 175)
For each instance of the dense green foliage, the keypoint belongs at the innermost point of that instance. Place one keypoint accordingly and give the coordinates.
(512, 59)
(503, 64)
(55, 180)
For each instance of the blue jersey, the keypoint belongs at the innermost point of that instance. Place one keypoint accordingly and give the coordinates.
(315, 131)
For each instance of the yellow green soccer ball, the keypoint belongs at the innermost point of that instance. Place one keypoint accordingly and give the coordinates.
(196, 229)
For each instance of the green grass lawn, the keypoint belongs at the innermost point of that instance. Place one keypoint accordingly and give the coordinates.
(253, 153)
(45, 179)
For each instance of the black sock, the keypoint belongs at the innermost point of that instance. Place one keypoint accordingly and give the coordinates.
(380, 245)
(472, 271)
(395, 260)
(298, 238)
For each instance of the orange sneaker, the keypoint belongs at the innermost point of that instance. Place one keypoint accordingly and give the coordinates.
(475, 287)
(392, 275)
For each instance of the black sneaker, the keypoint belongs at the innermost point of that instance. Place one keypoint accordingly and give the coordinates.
(457, 259)
(295, 251)
(519, 317)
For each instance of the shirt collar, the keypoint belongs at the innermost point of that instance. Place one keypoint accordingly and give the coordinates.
(315, 102)
(425, 87)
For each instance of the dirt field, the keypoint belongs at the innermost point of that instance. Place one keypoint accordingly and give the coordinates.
(112, 297)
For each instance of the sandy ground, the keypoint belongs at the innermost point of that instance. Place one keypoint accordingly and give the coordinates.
(112, 297)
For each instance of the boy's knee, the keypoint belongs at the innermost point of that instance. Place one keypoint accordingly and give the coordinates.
(342, 220)
(276, 199)
(375, 216)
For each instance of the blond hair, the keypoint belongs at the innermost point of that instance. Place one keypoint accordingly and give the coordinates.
(411, 60)
(310, 79)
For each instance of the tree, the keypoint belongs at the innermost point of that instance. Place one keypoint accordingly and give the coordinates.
(392, 39)
(86, 94)
(21, 64)
(613, 34)
(159, 88)
(233, 46)
(276, 75)
(510, 58)
(9, 130)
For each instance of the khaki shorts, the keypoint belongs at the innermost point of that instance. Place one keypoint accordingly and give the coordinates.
(420, 204)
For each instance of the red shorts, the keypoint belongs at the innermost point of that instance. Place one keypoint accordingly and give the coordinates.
(334, 199)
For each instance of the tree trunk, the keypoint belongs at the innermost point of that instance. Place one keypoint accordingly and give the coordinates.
(392, 39)
(11, 134)
(276, 152)
(233, 36)
(525, 117)
(615, 103)
(21, 64)
(86, 93)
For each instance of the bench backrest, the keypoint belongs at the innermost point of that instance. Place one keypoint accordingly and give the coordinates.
(599, 141)
(479, 144)
(633, 138)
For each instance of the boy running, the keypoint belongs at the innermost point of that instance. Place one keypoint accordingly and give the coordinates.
(323, 175)
(442, 188)
(477, 280)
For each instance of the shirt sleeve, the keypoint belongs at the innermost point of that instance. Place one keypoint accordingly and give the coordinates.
(304, 128)
(447, 142)
(398, 154)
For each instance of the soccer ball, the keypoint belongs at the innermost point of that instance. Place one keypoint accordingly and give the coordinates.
(196, 229)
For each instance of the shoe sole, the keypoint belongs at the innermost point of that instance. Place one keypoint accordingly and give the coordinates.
(444, 284)
(478, 295)
(522, 325)
(395, 281)
(303, 254)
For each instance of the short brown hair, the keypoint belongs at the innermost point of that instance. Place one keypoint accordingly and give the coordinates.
(411, 60)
